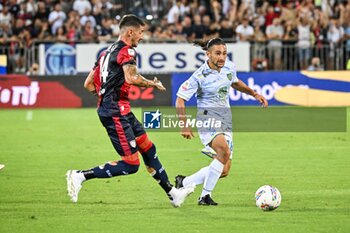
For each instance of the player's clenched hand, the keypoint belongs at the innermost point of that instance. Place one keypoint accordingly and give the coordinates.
(261, 100)
(158, 84)
(187, 133)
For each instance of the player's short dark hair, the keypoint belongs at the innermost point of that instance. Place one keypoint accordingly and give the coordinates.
(206, 44)
(131, 21)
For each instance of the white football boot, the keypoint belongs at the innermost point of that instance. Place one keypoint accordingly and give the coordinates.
(74, 181)
(178, 196)
(208, 151)
(2, 166)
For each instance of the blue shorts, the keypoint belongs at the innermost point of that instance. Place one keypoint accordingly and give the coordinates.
(123, 130)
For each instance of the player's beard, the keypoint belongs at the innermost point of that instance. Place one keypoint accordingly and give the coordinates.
(219, 64)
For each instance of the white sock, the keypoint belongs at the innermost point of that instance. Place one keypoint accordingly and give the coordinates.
(212, 177)
(196, 178)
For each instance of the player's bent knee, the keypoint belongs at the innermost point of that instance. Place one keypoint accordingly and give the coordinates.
(131, 168)
(143, 143)
(132, 159)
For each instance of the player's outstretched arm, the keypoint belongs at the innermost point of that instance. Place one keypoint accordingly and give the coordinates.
(133, 77)
(242, 87)
(186, 132)
(89, 82)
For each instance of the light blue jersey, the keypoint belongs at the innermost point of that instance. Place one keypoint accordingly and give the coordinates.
(212, 92)
(210, 86)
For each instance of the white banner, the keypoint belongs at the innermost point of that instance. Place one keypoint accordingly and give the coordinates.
(151, 58)
(164, 58)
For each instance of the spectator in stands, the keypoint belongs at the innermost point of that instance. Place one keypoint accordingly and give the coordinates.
(288, 12)
(274, 34)
(232, 13)
(244, 31)
(73, 18)
(319, 30)
(346, 15)
(5, 17)
(81, 6)
(206, 25)
(111, 10)
(158, 33)
(260, 16)
(246, 11)
(88, 17)
(315, 65)
(174, 12)
(290, 38)
(197, 27)
(188, 29)
(66, 5)
(36, 28)
(185, 8)
(304, 9)
(14, 8)
(347, 38)
(334, 35)
(73, 33)
(24, 14)
(115, 26)
(226, 30)
(32, 7)
(140, 10)
(259, 42)
(42, 12)
(178, 32)
(88, 33)
(104, 31)
(44, 33)
(304, 42)
(270, 15)
(97, 11)
(216, 11)
(17, 29)
(56, 18)
(61, 34)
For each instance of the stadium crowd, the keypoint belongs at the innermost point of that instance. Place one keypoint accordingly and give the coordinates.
(307, 26)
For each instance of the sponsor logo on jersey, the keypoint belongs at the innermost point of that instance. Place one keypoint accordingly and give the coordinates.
(133, 143)
(131, 52)
(185, 85)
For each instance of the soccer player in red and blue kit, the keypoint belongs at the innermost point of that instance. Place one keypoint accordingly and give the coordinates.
(111, 78)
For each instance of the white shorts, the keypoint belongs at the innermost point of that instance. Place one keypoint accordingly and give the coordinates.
(207, 137)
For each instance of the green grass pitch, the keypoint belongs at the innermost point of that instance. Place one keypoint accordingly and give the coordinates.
(37, 146)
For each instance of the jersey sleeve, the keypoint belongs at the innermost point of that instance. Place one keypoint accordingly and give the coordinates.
(188, 88)
(126, 55)
(233, 72)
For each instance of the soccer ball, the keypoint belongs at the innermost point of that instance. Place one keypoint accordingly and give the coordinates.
(268, 198)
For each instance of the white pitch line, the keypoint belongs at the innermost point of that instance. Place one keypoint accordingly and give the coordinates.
(29, 116)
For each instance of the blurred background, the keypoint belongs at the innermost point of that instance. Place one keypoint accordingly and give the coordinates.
(49, 47)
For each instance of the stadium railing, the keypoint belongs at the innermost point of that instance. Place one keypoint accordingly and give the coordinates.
(332, 57)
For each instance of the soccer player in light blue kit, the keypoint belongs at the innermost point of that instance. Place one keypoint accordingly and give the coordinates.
(211, 83)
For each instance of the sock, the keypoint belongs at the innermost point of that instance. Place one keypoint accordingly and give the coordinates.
(197, 178)
(212, 177)
(155, 168)
(110, 169)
